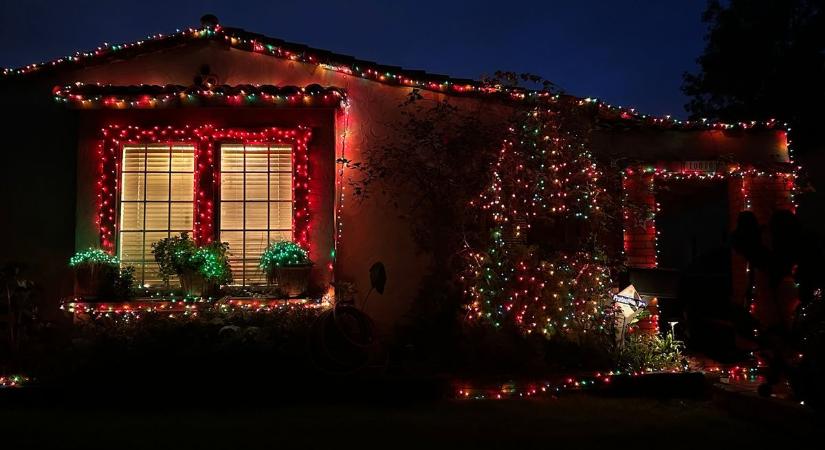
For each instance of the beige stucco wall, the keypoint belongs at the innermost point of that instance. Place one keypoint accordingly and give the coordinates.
(372, 229)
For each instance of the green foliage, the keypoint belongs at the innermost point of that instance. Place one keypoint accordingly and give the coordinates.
(763, 60)
(212, 261)
(124, 282)
(179, 254)
(114, 279)
(284, 254)
(175, 255)
(642, 352)
(93, 256)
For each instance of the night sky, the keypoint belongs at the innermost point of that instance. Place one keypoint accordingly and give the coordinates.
(628, 53)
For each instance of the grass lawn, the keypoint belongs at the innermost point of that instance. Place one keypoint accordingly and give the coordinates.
(573, 419)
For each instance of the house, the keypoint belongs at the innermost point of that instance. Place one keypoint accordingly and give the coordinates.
(235, 136)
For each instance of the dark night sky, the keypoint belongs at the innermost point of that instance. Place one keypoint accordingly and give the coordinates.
(627, 52)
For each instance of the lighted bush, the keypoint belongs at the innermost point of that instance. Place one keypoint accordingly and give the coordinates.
(212, 261)
(174, 255)
(93, 256)
(98, 274)
(284, 254)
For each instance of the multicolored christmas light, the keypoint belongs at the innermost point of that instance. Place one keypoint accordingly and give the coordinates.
(13, 381)
(641, 208)
(545, 171)
(183, 308)
(88, 96)
(277, 48)
(562, 384)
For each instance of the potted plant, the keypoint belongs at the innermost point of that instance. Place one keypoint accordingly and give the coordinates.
(287, 267)
(213, 270)
(98, 274)
(200, 269)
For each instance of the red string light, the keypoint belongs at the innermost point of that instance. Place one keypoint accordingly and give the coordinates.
(206, 177)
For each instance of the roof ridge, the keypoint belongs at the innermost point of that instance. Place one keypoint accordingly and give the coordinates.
(392, 75)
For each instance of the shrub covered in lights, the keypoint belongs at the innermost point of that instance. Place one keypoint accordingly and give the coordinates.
(212, 261)
(93, 256)
(99, 275)
(284, 254)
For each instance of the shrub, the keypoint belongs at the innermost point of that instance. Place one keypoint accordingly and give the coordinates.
(100, 274)
(212, 261)
(174, 255)
(643, 352)
(284, 254)
(93, 256)
(177, 255)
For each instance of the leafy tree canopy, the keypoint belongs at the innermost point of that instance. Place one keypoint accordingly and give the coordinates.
(764, 59)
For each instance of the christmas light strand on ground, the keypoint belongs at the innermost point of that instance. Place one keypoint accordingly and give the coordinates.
(182, 308)
(148, 96)
(205, 139)
(239, 39)
(13, 381)
(562, 384)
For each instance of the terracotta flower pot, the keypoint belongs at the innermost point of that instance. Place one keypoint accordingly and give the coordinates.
(292, 281)
(193, 283)
(94, 281)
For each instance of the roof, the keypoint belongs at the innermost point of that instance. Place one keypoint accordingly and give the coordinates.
(386, 74)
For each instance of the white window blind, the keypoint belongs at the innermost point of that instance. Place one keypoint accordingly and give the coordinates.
(157, 200)
(256, 204)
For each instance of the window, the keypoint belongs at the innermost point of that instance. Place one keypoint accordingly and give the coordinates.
(256, 204)
(157, 200)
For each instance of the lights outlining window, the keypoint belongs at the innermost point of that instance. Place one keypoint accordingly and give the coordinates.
(256, 204)
(156, 201)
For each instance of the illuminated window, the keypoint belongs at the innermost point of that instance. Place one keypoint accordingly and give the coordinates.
(157, 200)
(256, 204)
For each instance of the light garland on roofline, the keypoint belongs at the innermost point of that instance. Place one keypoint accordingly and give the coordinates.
(87, 96)
(384, 74)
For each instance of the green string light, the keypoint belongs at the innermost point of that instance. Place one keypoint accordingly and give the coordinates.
(284, 254)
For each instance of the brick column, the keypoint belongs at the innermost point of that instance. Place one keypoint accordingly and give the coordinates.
(763, 195)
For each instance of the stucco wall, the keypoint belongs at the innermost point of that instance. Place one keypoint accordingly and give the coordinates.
(39, 219)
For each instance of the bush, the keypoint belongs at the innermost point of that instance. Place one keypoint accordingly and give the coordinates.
(651, 353)
(174, 255)
(284, 254)
(177, 255)
(209, 347)
(99, 274)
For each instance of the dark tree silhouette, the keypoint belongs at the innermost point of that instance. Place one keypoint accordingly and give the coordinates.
(764, 59)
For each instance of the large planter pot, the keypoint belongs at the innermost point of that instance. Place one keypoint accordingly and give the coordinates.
(291, 281)
(194, 284)
(94, 281)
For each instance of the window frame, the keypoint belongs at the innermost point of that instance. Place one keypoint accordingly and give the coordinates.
(169, 201)
(218, 203)
(205, 139)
